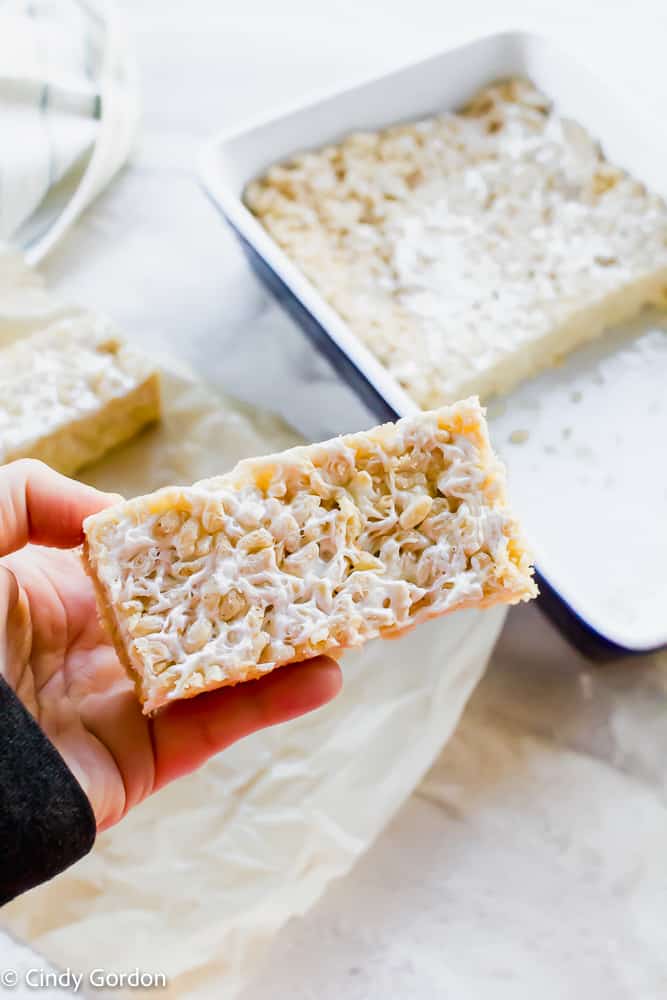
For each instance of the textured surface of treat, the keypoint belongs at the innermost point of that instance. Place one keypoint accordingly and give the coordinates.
(468, 251)
(71, 392)
(311, 550)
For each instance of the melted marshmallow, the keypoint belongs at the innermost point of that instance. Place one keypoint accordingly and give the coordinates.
(316, 548)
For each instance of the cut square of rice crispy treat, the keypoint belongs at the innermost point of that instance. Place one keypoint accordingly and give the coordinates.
(309, 551)
(72, 392)
(469, 251)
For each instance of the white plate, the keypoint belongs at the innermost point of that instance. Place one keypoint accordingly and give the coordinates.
(584, 444)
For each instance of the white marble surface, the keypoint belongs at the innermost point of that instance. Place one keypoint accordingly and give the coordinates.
(531, 861)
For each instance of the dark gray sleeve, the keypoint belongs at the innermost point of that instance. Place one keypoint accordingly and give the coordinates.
(46, 820)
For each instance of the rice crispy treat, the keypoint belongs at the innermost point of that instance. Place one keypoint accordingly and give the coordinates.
(71, 393)
(468, 251)
(309, 551)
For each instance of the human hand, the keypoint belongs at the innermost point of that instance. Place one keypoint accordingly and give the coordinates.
(57, 658)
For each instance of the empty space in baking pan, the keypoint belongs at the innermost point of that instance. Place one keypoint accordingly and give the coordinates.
(584, 445)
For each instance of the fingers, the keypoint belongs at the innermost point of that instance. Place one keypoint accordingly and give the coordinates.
(187, 733)
(9, 597)
(41, 506)
(15, 629)
(9, 593)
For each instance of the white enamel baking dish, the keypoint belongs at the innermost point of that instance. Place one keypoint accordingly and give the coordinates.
(584, 444)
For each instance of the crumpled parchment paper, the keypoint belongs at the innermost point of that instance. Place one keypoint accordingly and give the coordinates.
(196, 881)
